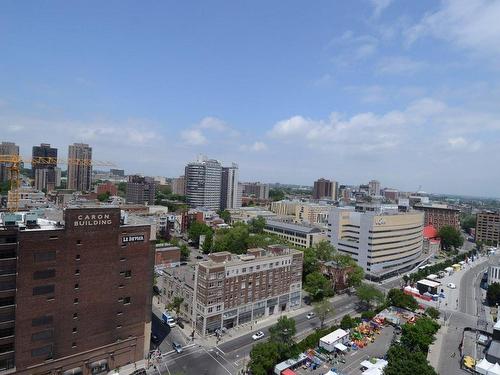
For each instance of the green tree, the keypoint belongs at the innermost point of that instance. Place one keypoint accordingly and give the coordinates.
(263, 358)
(175, 305)
(323, 310)
(122, 188)
(310, 262)
(196, 229)
(234, 240)
(184, 251)
(318, 286)
(419, 336)
(225, 215)
(396, 297)
(208, 243)
(276, 194)
(403, 361)
(282, 334)
(432, 312)
(450, 238)
(368, 293)
(355, 274)
(103, 197)
(324, 251)
(346, 322)
(468, 222)
(257, 225)
(4, 187)
(493, 294)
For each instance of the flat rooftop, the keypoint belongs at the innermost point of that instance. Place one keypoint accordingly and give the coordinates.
(292, 227)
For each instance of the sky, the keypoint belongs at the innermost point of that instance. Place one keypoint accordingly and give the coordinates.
(405, 92)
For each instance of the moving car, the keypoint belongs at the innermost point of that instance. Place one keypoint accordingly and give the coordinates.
(311, 315)
(177, 347)
(451, 286)
(258, 335)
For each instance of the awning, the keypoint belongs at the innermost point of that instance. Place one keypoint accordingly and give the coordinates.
(73, 371)
(288, 372)
(340, 347)
(101, 363)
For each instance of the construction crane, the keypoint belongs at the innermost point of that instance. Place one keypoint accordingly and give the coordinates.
(13, 164)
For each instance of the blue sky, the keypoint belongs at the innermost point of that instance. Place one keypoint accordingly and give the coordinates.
(406, 92)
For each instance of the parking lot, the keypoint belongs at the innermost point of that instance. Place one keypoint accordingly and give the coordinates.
(353, 358)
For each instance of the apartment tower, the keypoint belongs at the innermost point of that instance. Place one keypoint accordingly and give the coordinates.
(79, 167)
(325, 189)
(44, 170)
(204, 183)
(230, 193)
(7, 148)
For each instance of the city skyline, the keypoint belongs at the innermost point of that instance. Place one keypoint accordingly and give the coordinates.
(360, 90)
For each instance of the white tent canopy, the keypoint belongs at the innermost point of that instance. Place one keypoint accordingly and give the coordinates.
(341, 347)
(494, 370)
(482, 366)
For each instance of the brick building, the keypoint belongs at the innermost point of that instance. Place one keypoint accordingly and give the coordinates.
(167, 255)
(74, 297)
(106, 187)
(439, 215)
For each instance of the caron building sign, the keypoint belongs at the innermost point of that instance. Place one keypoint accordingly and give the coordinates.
(133, 238)
(92, 220)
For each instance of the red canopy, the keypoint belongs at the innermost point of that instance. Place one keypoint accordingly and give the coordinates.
(288, 372)
(430, 232)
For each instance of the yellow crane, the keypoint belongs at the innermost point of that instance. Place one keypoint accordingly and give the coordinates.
(13, 164)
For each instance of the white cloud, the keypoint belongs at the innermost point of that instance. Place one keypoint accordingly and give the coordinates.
(193, 137)
(460, 143)
(201, 132)
(379, 6)
(349, 48)
(468, 24)
(258, 146)
(399, 65)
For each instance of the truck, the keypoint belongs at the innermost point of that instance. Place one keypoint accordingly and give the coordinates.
(168, 319)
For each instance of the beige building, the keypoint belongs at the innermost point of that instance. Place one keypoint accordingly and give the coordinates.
(299, 235)
(488, 227)
(383, 242)
(312, 213)
(245, 214)
(284, 207)
(228, 290)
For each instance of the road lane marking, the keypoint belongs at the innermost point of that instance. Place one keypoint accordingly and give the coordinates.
(215, 359)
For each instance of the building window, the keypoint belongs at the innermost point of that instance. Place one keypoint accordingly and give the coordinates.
(42, 335)
(122, 259)
(77, 286)
(77, 272)
(73, 345)
(119, 313)
(78, 242)
(44, 289)
(118, 326)
(126, 301)
(75, 315)
(44, 351)
(42, 320)
(44, 257)
(77, 257)
(75, 330)
(75, 301)
(53, 237)
(121, 286)
(44, 274)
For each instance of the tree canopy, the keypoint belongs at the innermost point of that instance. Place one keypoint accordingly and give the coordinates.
(257, 225)
(323, 310)
(403, 361)
(263, 357)
(318, 286)
(468, 222)
(420, 335)
(396, 297)
(225, 215)
(493, 294)
(368, 293)
(196, 229)
(450, 238)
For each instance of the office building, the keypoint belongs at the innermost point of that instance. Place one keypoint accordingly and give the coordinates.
(26, 198)
(488, 227)
(391, 194)
(117, 172)
(230, 193)
(179, 185)
(140, 190)
(255, 189)
(76, 297)
(79, 167)
(325, 189)
(374, 188)
(106, 187)
(246, 214)
(7, 148)
(203, 183)
(284, 207)
(312, 213)
(229, 290)
(43, 164)
(297, 234)
(439, 215)
(383, 242)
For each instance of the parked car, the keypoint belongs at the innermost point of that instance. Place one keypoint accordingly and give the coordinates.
(258, 335)
(311, 315)
(451, 286)
(180, 324)
(199, 257)
(177, 347)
